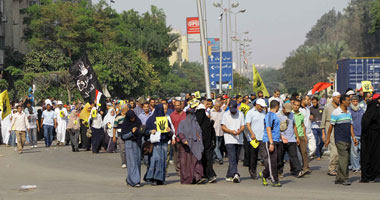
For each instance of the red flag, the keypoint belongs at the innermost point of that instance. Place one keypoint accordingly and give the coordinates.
(320, 86)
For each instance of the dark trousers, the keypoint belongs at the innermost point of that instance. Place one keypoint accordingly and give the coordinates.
(247, 152)
(291, 149)
(233, 151)
(85, 141)
(270, 162)
(254, 157)
(343, 160)
(97, 139)
(319, 141)
(74, 138)
(207, 162)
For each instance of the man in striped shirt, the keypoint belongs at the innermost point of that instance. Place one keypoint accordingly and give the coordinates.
(341, 121)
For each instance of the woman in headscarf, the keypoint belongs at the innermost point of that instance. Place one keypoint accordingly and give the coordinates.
(208, 139)
(370, 140)
(131, 135)
(191, 149)
(157, 165)
(108, 123)
(97, 132)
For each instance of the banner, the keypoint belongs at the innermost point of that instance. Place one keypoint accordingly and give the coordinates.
(258, 83)
(87, 82)
(5, 106)
(244, 108)
(367, 86)
(193, 29)
(162, 124)
(197, 94)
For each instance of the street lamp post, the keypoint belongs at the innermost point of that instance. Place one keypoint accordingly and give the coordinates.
(236, 32)
(220, 5)
(204, 49)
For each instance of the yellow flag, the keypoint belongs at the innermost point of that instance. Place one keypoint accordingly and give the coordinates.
(197, 94)
(5, 106)
(244, 108)
(258, 83)
(161, 124)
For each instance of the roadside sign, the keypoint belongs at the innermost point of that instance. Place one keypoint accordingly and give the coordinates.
(227, 72)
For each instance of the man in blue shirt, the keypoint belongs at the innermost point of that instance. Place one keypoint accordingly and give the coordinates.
(357, 114)
(341, 121)
(271, 140)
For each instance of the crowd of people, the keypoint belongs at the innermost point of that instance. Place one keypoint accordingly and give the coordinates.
(193, 133)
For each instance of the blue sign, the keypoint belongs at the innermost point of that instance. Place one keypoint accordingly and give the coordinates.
(227, 72)
(214, 43)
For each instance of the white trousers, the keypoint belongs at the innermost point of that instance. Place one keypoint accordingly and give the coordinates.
(61, 131)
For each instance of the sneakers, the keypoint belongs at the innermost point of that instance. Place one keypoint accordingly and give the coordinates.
(236, 178)
(308, 171)
(280, 175)
(229, 179)
(201, 181)
(123, 166)
(265, 183)
(212, 179)
(35, 146)
(220, 162)
(276, 184)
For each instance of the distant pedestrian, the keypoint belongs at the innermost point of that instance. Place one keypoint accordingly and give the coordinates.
(21, 124)
(316, 112)
(357, 115)
(47, 123)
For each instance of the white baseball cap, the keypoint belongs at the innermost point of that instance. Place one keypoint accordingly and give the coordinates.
(335, 94)
(59, 103)
(350, 92)
(261, 102)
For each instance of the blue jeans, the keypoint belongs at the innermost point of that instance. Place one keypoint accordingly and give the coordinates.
(355, 154)
(219, 155)
(12, 139)
(319, 141)
(233, 151)
(48, 134)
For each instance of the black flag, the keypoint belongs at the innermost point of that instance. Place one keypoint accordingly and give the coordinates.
(86, 80)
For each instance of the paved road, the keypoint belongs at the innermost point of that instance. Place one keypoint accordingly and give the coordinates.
(62, 174)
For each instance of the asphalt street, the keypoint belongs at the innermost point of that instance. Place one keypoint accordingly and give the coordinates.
(62, 174)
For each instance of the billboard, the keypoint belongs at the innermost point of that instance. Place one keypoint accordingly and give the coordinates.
(193, 29)
(227, 72)
(214, 43)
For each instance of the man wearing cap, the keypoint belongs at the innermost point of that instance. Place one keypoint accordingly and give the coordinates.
(255, 125)
(290, 141)
(357, 114)
(60, 123)
(325, 124)
(233, 126)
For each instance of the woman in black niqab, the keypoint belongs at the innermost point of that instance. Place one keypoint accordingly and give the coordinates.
(370, 142)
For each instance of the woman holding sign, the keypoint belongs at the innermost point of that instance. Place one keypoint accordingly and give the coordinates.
(131, 135)
(158, 128)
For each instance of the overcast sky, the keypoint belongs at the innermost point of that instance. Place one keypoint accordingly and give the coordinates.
(276, 27)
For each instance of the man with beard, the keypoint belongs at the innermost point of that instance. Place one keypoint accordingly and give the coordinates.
(370, 140)
(61, 123)
(325, 124)
(357, 114)
(176, 117)
(208, 139)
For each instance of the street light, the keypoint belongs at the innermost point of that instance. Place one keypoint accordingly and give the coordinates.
(220, 18)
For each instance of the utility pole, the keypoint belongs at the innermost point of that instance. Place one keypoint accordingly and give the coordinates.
(204, 49)
(221, 51)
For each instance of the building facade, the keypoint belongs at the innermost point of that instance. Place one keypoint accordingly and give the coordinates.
(182, 52)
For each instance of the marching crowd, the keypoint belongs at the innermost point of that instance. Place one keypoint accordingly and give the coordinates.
(195, 132)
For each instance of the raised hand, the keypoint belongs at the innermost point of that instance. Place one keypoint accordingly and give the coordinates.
(161, 125)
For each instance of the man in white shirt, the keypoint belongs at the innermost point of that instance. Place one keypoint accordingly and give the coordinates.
(216, 114)
(233, 127)
(276, 96)
(255, 125)
(31, 113)
(20, 121)
(61, 123)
